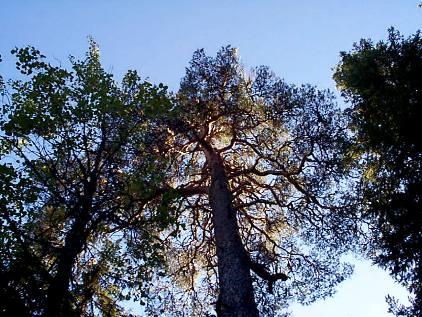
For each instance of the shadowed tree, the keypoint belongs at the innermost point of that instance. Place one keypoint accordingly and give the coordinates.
(77, 163)
(383, 83)
(263, 222)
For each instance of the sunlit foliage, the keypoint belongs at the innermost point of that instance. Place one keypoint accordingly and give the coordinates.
(279, 145)
(77, 169)
(383, 83)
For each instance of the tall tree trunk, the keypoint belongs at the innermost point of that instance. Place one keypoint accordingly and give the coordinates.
(236, 291)
(58, 303)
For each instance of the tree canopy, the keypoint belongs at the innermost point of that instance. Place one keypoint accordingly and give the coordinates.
(77, 168)
(383, 83)
(265, 218)
(229, 197)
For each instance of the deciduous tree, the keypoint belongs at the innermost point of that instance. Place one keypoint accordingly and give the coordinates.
(77, 165)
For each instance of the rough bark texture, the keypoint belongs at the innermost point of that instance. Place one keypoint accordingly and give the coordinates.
(236, 291)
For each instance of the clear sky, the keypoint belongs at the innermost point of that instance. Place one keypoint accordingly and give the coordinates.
(299, 40)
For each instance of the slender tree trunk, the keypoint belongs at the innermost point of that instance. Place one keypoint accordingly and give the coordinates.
(236, 291)
(57, 302)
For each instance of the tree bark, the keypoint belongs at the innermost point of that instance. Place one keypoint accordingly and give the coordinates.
(236, 296)
(57, 302)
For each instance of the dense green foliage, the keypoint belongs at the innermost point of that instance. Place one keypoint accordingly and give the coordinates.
(383, 83)
(78, 169)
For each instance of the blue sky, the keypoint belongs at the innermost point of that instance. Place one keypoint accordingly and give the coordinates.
(299, 40)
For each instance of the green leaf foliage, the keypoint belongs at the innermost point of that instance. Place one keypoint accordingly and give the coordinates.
(79, 165)
(383, 83)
